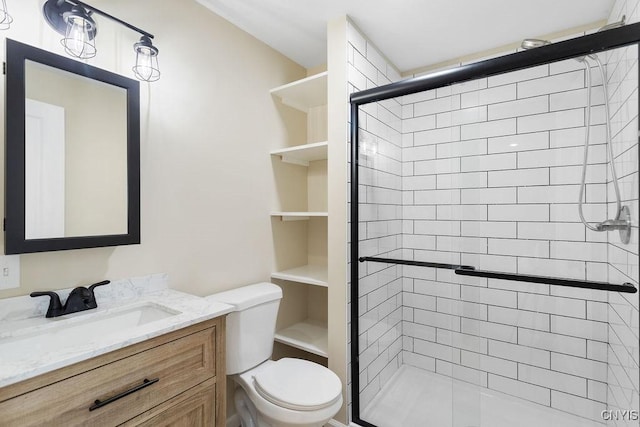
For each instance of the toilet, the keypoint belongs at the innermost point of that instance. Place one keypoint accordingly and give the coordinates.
(284, 393)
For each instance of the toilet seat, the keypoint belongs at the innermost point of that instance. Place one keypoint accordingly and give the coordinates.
(298, 385)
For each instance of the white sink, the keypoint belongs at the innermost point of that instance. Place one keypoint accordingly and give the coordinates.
(81, 329)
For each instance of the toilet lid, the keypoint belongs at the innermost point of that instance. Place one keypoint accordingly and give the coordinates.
(298, 384)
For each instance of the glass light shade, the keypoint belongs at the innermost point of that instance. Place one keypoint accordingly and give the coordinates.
(79, 40)
(146, 68)
(5, 18)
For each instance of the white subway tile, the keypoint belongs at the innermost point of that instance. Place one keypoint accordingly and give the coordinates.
(445, 290)
(419, 124)
(488, 229)
(552, 305)
(419, 153)
(462, 341)
(431, 167)
(437, 351)
(461, 117)
(469, 86)
(437, 197)
(419, 212)
(376, 58)
(575, 136)
(588, 329)
(438, 105)
(548, 194)
(519, 108)
(597, 350)
(416, 241)
(552, 342)
(494, 196)
(488, 129)
(462, 212)
(575, 99)
(573, 174)
(518, 76)
(418, 97)
(579, 366)
(532, 288)
(527, 248)
(489, 296)
(519, 389)
(462, 308)
(518, 213)
(486, 363)
(553, 380)
(465, 148)
(420, 182)
(364, 66)
(437, 136)
(506, 264)
(489, 330)
(579, 251)
(597, 391)
(461, 244)
(519, 353)
(489, 96)
(576, 405)
(469, 375)
(551, 231)
(437, 320)
(550, 121)
(419, 361)
(551, 84)
(462, 180)
(597, 311)
(569, 212)
(407, 111)
(416, 330)
(571, 156)
(520, 177)
(489, 162)
(522, 142)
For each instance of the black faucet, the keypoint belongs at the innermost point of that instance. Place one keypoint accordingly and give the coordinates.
(80, 299)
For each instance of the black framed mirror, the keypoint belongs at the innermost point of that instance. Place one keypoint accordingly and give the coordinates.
(72, 163)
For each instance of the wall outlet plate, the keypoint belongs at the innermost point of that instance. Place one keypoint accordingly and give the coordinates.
(9, 271)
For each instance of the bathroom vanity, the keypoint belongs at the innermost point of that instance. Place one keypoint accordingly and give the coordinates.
(160, 371)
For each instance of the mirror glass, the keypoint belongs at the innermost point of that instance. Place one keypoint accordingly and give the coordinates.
(75, 155)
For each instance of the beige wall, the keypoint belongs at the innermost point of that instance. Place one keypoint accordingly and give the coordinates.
(208, 125)
(95, 116)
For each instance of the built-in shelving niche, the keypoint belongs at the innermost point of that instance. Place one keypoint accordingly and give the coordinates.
(299, 224)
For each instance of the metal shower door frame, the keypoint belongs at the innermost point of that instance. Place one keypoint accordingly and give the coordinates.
(579, 46)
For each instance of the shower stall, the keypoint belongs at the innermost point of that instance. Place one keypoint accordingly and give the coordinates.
(494, 241)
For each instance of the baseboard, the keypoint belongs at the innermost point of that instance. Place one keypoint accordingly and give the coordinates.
(233, 421)
(334, 423)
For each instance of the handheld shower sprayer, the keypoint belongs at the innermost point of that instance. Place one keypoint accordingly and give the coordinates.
(622, 221)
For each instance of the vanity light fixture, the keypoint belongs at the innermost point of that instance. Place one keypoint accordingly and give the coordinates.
(74, 20)
(5, 18)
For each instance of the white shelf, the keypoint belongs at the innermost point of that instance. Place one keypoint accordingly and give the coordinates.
(309, 274)
(303, 154)
(299, 216)
(309, 335)
(304, 94)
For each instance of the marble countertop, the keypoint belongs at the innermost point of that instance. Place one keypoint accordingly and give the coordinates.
(23, 356)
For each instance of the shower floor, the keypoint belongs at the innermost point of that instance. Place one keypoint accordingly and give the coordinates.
(417, 398)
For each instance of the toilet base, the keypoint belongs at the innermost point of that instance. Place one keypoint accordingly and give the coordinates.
(250, 417)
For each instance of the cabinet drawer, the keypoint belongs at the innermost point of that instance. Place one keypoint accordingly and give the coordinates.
(178, 365)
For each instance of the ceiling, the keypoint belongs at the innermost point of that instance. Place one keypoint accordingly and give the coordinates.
(411, 33)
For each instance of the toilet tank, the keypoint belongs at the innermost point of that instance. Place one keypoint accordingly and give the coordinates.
(251, 326)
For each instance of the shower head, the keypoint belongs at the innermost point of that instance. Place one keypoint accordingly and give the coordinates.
(533, 43)
(618, 24)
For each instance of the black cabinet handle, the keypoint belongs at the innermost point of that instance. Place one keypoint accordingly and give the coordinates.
(100, 403)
